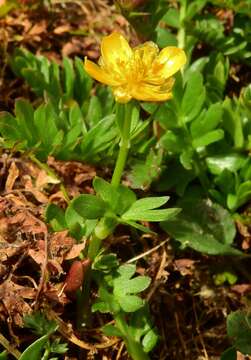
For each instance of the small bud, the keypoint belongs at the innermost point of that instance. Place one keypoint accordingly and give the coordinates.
(75, 276)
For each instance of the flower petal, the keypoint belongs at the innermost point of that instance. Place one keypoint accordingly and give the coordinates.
(121, 94)
(98, 73)
(115, 51)
(149, 92)
(145, 54)
(169, 61)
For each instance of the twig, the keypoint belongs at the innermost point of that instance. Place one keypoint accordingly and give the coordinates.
(147, 252)
(6, 344)
(43, 269)
(183, 344)
(199, 333)
(158, 276)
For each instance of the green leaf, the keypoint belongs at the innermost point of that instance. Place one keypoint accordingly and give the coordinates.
(44, 118)
(119, 199)
(77, 225)
(127, 271)
(34, 351)
(68, 77)
(150, 215)
(175, 141)
(194, 8)
(143, 173)
(126, 197)
(105, 190)
(125, 288)
(232, 123)
(111, 330)
(24, 117)
(89, 206)
(99, 138)
(4, 355)
(9, 127)
(239, 329)
(208, 121)
(150, 340)
(123, 285)
(105, 263)
(143, 210)
(229, 354)
(165, 38)
(83, 82)
(209, 138)
(232, 162)
(40, 324)
(171, 18)
(56, 217)
(242, 195)
(194, 90)
(130, 303)
(149, 203)
(94, 114)
(203, 226)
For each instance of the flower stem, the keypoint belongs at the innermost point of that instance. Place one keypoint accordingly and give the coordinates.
(103, 231)
(124, 146)
(182, 31)
(134, 348)
(201, 173)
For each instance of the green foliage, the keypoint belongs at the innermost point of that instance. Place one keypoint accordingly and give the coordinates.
(145, 17)
(45, 328)
(4, 355)
(203, 226)
(46, 77)
(34, 351)
(39, 324)
(118, 294)
(67, 135)
(195, 146)
(144, 172)
(239, 330)
(118, 205)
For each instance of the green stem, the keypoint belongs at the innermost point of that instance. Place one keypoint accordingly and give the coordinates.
(134, 348)
(94, 247)
(46, 354)
(102, 231)
(124, 146)
(182, 31)
(201, 173)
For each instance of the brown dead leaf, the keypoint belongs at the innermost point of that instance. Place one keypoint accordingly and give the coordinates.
(242, 357)
(59, 244)
(43, 179)
(12, 176)
(12, 296)
(73, 170)
(41, 197)
(54, 267)
(37, 255)
(184, 266)
(62, 29)
(241, 289)
(75, 251)
(38, 28)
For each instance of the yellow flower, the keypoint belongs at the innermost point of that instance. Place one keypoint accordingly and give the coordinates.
(143, 73)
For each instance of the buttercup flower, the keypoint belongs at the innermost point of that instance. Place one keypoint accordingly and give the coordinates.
(143, 73)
